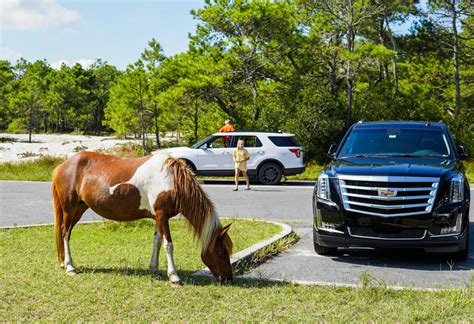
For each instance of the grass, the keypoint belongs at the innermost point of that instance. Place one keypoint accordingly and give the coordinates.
(311, 172)
(42, 168)
(469, 165)
(35, 170)
(115, 285)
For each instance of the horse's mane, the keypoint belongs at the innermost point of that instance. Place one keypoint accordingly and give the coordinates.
(191, 201)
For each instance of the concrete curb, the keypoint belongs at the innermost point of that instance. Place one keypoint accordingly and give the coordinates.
(350, 285)
(46, 224)
(249, 253)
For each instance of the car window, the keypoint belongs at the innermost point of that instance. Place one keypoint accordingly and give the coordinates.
(397, 141)
(249, 141)
(201, 142)
(218, 142)
(284, 141)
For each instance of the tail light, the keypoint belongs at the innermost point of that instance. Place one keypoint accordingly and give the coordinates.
(297, 152)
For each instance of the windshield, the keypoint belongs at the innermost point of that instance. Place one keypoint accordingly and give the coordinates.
(198, 144)
(396, 142)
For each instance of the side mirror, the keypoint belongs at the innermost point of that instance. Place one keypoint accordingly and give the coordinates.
(332, 150)
(203, 146)
(462, 152)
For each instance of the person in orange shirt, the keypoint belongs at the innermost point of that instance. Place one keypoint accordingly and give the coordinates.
(227, 128)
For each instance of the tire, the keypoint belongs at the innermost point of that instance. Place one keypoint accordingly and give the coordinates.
(463, 255)
(323, 250)
(190, 165)
(270, 174)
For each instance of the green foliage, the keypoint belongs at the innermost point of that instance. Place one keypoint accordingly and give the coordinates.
(307, 67)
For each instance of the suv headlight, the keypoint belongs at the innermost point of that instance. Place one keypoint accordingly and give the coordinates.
(323, 187)
(456, 192)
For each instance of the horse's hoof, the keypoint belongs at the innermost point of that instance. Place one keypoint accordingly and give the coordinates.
(71, 273)
(157, 275)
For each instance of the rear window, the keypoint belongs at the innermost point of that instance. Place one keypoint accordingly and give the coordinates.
(284, 141)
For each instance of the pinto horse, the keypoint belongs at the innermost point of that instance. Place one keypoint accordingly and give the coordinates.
(157, 187)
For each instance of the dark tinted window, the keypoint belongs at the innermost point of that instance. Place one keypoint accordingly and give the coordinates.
(283, 141)
(397, 141)
(249, 141)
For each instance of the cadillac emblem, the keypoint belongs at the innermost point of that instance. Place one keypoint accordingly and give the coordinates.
(387, 192)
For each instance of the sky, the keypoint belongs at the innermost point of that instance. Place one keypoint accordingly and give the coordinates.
(71, 31)
(116, 31)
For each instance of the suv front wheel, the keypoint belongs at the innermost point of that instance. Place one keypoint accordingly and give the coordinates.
(270, 174)
(322, 250)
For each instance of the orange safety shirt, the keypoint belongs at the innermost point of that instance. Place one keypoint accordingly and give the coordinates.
(227, 128)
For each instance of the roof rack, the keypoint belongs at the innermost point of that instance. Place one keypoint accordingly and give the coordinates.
(256, 131)
(360, 121)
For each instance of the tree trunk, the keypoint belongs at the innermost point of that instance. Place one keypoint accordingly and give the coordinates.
(333, 88)
(99, 116)
(256, 109)
(350, 84)
(157, 130)
(228, 110)
(30, 124)
(196, 111)
(383, 67)
(349, 77)
(142, 127)
(456, 59)
(394, 64)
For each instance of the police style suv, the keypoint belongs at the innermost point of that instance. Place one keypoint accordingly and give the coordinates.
(393, 185)
(272, 155)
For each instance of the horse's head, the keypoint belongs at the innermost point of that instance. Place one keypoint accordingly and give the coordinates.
(217, 255)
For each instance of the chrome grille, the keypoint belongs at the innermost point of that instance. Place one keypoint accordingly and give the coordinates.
(388, 195)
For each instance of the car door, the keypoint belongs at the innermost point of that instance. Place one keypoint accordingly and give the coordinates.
(255, 148)
(215, 155)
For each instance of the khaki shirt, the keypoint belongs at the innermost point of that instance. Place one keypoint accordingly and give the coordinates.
(241, 155)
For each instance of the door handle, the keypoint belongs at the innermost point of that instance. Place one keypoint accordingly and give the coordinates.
(225, 153)
(261, 152)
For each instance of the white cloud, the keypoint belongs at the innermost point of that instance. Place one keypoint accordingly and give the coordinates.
(57, 65)
(9, 55)
(85, 62)
(32, 15)
(82, 61)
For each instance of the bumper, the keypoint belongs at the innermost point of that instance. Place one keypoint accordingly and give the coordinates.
(450, 244)
(348, 229)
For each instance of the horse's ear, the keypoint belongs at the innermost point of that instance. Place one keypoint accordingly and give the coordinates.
(224, 230)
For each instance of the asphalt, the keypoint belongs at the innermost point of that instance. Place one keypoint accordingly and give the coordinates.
(26, 203)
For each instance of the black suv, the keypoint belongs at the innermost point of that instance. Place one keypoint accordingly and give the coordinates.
(393, 185)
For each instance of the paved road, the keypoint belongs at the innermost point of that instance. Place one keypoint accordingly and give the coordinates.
(24, 203)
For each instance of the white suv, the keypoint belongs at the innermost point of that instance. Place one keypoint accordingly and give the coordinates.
(272, 155)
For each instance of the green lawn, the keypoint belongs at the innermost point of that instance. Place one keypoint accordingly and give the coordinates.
(36, 170)
(42, 170)
(114, 284)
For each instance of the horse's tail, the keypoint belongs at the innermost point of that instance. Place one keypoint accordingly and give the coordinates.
(58, 222)
(191, 201)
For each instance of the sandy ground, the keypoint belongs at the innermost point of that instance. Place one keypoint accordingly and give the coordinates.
(15, 147)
